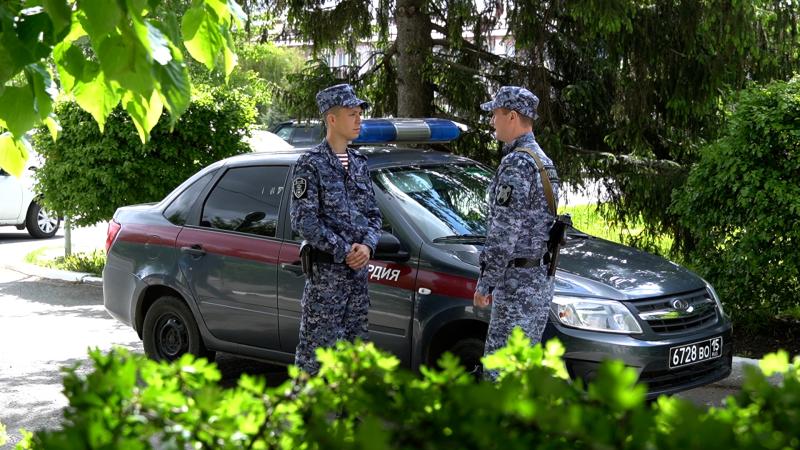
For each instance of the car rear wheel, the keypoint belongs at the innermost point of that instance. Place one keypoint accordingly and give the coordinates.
(40, 222)
(170, 331)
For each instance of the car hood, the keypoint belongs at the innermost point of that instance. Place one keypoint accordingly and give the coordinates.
(598, 268)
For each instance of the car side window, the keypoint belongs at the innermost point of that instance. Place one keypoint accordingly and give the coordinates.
(178, 211)
(247, 200)
(284, 133)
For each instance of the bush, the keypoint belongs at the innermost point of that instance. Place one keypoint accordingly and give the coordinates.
(742, 203)
(92, 262)
(360, 399)
(87, 174)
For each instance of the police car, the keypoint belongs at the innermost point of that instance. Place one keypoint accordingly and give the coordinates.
(215, 266)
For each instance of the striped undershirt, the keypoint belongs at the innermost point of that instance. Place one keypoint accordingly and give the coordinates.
(342, 159)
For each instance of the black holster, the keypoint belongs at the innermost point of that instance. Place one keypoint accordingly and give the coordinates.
(558, 234)
(306, 258)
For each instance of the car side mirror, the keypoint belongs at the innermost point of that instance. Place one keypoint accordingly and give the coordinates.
(250, 219)
(389, 249)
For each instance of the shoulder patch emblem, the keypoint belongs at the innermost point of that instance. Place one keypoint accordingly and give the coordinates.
(299, 187)
(503, 197)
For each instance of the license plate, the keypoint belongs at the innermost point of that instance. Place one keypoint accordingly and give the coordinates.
(686, 355)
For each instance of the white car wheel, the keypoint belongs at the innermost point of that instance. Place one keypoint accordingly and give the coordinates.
(40, 222)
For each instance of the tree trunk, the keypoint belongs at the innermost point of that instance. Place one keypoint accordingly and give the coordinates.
(414, 45)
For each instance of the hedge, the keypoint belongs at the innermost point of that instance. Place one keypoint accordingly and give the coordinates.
(362, 399)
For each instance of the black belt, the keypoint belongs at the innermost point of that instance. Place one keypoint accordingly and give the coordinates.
(528, 262)
(318, 256)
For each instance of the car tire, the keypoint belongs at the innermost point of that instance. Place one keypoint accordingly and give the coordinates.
(469, 351)
(170, 331)
(40, 223)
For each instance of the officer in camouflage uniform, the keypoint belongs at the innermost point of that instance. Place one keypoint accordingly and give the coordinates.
(514, 259)
(333, 208)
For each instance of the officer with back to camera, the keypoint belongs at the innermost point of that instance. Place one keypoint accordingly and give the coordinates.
(333, 208)
(514, 259)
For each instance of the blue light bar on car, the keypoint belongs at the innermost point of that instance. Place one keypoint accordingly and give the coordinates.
(383, 131)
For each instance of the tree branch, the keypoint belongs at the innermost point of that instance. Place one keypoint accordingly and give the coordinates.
(391, 51)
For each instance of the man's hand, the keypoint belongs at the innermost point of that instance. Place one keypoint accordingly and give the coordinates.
(358, 256)
(481, 301)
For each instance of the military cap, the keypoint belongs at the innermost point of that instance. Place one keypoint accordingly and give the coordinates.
(514, 98)
(339, 95)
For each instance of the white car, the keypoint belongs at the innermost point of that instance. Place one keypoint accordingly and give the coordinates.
(19, 205)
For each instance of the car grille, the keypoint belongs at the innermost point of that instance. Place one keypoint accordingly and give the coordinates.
(664, 318)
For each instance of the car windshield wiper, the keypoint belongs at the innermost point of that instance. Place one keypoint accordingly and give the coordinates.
(461, 239)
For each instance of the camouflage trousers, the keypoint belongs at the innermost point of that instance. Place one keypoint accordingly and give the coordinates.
(521, 300)
(334, 306)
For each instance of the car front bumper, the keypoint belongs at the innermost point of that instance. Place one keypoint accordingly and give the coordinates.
(586, 350)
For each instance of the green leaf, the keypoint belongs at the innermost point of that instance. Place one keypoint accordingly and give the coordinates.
(230, 57)
(14, 55)
(60, 13)
(175, 87)
(202, 36)
(774, 363)
(35, 31)
(144, 112)
(71, 64)
(124, 60)
(17, 113)
(98, 97)
(100, 17)
(53, 126)
(13, 154)
(153, 40)
(44, 89)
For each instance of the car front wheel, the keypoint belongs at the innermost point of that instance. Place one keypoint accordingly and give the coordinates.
(170, 331)
(40, 222)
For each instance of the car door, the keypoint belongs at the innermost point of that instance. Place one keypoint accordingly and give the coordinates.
(11, 195)
(391, 290)
(230, 259)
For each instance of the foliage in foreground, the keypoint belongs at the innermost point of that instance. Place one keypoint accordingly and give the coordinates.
(742, 204)
(361, 399)
(106, 54)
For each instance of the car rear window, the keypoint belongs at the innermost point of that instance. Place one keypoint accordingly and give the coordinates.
(178, 211)
(246, 200)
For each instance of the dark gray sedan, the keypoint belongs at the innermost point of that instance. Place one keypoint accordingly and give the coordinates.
(215, 266)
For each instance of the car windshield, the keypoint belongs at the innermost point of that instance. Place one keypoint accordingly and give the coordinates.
(446, 202)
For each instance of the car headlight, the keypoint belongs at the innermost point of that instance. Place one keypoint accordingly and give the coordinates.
(594, 314)
(714, 295)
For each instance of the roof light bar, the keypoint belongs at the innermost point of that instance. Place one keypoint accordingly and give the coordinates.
(382, 131)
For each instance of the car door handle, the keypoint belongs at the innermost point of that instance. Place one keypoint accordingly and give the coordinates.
(195, 250)
(294, 267)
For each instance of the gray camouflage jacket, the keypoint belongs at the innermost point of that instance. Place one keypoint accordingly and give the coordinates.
(332, 208)
(519, 219)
